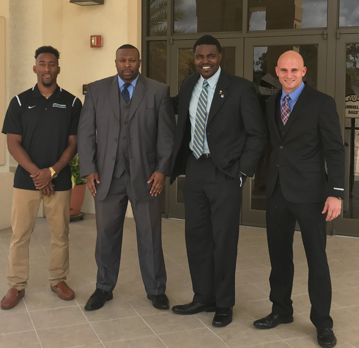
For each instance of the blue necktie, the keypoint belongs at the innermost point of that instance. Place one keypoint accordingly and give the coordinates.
(201, 117)
(125, 93)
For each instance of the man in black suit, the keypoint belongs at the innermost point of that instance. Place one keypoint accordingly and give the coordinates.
(305, 184)
(219, 139)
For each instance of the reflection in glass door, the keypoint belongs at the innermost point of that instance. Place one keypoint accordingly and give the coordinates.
(351, 133)
(260, 62)
(347, 96)
(286, 14)
(182, 65)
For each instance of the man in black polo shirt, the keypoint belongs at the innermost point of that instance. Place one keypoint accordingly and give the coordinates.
(41, 127)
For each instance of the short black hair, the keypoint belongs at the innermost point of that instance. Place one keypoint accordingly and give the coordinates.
(47, 49)
(129, 47)
(207, 40)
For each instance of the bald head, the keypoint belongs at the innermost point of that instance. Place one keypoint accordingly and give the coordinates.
(290, 70)
(290, 55)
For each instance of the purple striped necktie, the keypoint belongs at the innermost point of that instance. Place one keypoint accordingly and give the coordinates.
(285, 109)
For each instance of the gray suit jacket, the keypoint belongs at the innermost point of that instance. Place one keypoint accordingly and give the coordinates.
(151, 128)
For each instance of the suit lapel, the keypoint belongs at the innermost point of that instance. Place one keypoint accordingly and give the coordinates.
(271, 114)
(296, 110)
(113, 91)
(185, 98)
(220, 95)
(138, 94)
(188, 91)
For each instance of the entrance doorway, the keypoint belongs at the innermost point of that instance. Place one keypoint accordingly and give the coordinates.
(254, 33)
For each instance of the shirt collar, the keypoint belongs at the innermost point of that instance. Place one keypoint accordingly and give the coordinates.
(121, 82)
(212, 81)
(295, 94)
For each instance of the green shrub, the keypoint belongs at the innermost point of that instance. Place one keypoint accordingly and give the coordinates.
(75, 172)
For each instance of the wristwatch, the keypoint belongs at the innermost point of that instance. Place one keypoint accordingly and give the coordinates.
(340, 198)
(53, 173)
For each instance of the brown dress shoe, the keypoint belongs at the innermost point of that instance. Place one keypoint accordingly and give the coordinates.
(63, 291)
(12, 298)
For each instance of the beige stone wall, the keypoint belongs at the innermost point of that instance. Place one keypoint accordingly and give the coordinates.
(30, 24)
(4, 17)
(3, 153)
(6, 178)
(119, 22)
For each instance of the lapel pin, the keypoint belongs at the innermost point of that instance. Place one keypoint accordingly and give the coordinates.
(222, 95)
(220, 92)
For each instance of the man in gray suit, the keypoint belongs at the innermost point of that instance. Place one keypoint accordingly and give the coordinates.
(125, 140)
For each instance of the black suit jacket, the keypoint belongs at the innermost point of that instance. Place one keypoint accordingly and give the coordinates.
(236, 130)
(309, 156)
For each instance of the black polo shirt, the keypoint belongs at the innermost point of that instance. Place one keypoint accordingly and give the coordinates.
(44, 125)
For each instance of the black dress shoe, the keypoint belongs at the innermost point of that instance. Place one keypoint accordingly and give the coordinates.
(98, 299)
(223, 317)
(326, 338)
(159, 301)
(272, 320)
(193, 308)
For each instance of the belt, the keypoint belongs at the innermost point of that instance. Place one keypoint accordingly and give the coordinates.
(206, 156)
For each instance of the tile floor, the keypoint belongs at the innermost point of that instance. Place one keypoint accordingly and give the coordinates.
(42, 320)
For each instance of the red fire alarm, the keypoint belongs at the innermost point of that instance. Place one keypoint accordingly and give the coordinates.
(95, 41)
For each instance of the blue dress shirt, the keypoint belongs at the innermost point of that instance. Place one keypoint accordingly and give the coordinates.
(293, 96)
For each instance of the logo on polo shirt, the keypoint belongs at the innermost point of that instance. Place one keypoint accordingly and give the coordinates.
(61, 106)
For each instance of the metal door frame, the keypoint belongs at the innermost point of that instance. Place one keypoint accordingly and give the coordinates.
(341, 225)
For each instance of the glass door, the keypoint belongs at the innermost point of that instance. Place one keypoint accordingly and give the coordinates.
(260, 60)
(182, 65)
(347, 98)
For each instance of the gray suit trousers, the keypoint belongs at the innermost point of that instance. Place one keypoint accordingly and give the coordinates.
(110, 216)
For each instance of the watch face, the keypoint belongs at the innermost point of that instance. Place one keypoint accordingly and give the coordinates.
(53, 173)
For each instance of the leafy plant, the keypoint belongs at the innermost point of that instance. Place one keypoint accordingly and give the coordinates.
(75, 172)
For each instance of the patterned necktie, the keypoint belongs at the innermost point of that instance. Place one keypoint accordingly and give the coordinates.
(125, 93)
(201, 116)
(285, 109)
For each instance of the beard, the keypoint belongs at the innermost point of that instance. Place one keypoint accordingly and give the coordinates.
(48, 81)
(47, 84)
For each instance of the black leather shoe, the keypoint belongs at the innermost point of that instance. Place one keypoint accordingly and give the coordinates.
(194, 308)
(223, 317)
(98, 299)
(271, 321)
(159, 301)
(326, 338)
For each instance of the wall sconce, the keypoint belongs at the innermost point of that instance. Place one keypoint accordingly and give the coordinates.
(95, 41)
(87, 2)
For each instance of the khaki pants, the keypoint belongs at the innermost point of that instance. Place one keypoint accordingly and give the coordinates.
(23, 218)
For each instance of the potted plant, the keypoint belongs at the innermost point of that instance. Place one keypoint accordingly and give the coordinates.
(78, 187)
